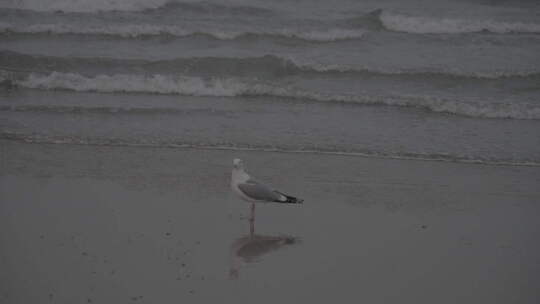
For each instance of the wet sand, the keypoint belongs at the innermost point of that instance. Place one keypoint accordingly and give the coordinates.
(97, 224)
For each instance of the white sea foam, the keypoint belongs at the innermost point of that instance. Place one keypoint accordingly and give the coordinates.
(484, 110)
(83, 5)
(325, 35)
(424, 25)
(136, 83)
(163, 84)
(122, 30)
(136, 30)
(449, 71)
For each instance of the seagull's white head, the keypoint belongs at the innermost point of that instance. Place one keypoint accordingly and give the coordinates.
(238, 164)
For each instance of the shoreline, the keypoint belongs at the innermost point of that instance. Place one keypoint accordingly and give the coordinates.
(13, 138)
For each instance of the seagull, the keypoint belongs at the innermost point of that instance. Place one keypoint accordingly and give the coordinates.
(253, 191)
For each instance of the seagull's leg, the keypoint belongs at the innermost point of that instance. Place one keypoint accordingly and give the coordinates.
(252, 220)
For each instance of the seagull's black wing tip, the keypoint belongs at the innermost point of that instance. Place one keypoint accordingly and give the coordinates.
(289, 199)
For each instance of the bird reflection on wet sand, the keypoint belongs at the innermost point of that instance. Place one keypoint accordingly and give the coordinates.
(250, 248)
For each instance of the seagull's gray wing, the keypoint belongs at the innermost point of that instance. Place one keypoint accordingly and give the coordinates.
(258, 191)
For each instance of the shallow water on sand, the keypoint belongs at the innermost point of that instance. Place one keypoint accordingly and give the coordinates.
(269, 123)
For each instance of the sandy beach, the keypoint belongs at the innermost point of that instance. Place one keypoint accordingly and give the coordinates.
(411, 130)
(92, 224)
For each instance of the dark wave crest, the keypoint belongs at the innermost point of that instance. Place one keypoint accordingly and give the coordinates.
(264, 67)
(207, 8)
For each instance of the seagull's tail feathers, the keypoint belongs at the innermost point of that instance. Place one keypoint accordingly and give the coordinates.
(289, 199)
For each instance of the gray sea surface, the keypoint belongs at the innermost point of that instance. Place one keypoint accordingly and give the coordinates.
(437, 80)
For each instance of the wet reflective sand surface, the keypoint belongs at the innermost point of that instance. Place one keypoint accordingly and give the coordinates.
(91, 224)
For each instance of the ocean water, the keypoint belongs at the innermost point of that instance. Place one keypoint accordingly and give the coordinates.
(431, 80)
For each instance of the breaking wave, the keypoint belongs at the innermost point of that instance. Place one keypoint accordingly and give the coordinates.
(229, 87)
(108, 109)
(263, 66)
(353, 28)
(93, 6)
(138, 30)
(160, 84)
(83, 5)
(425, 25)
